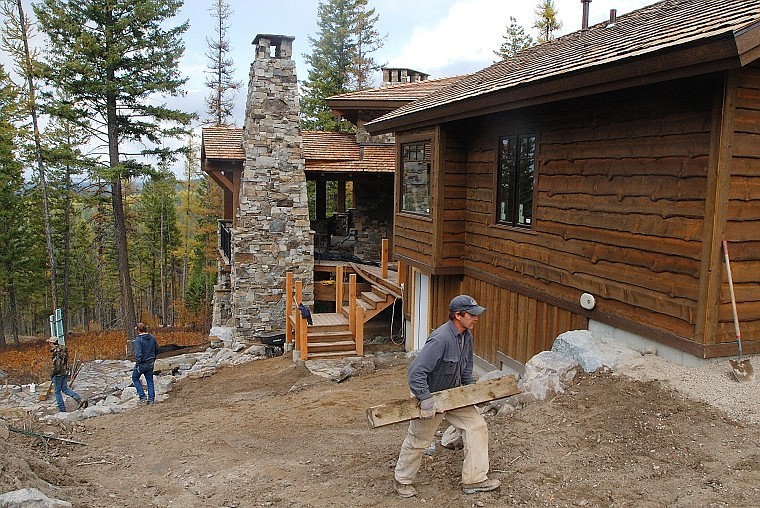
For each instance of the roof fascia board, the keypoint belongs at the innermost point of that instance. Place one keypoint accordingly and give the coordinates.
(748, 43)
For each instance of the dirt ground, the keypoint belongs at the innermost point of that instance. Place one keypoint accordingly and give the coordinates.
(269, 433)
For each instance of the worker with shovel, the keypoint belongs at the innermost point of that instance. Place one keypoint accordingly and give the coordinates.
(60, 374)
(444, 362)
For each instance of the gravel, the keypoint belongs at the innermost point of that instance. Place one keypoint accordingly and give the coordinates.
(713, 383)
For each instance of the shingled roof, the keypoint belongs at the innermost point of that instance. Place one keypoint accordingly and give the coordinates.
(222, 143)
(333, 152)
(673, 38)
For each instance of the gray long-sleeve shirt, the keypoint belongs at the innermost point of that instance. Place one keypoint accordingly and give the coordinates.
(444, 362)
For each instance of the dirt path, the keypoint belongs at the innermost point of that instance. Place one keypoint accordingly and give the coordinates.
(269, 433)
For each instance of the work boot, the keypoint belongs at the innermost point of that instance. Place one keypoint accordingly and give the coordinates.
(83, 403)
(484, 486)
(403, 489)
(143, 401)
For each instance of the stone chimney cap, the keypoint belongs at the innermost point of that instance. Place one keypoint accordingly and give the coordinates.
(273, 37)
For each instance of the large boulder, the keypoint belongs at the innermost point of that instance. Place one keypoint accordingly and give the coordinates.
(592, 352)
(223, 333)
(30, 498)
(546, 373)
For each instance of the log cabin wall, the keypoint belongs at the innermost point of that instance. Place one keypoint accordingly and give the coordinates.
(618, 212)
(413, 233)
(742, 229)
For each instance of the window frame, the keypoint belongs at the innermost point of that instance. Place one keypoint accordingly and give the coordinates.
(427, 162)
(512, 216)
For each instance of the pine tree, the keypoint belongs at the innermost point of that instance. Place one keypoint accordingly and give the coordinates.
(220, 102)
(340, 60)
(15, 40)
(11, 187)
(114, 59)
(515, 40)
(546, 21)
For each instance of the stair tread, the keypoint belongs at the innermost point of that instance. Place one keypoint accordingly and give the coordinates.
(331, 344)
(369, 295)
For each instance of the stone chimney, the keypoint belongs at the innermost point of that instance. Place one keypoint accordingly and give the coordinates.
(272, 235)
(396, 75)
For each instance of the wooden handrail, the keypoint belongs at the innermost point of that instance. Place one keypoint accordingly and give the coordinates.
(299, 325)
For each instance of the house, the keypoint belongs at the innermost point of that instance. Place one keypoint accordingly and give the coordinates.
(265, 231)
(587, 183)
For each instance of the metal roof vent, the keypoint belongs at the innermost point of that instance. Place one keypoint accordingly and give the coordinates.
(613, 18)
(584, 21)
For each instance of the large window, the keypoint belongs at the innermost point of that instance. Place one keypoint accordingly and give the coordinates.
(517, 164)
(415, 177)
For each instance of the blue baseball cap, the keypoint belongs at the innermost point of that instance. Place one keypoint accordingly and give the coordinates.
(466, 303)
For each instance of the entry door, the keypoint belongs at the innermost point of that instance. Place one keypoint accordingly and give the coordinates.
(421, 308)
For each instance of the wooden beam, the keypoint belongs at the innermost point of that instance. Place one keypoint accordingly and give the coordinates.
(445, 400)
(288, 306)
(384, 259)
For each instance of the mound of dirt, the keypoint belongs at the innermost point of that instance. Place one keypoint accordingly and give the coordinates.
(270, 433)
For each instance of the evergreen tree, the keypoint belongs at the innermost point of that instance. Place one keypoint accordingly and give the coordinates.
(114, 58)
(220, 102)
(340, 61)
(11, 204)
(546, 21)
(515, 40)
(15, 40)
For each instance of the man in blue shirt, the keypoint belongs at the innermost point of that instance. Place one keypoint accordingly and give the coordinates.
(445, 361)
(146, 349)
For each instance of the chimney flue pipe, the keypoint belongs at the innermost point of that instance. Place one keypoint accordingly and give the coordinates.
(584, 22)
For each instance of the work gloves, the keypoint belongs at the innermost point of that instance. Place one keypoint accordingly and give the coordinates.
(427, 408)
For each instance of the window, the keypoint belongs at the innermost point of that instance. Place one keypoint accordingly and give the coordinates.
(517, 164)
(415, 177)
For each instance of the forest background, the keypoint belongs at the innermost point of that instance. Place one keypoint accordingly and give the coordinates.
(92, 218)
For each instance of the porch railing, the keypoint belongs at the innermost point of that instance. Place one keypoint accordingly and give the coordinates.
(225, 240)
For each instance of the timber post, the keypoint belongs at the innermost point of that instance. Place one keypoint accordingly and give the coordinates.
(359, 334)
(384, 259)
(288, 306)
(339, 289)
(352, 302)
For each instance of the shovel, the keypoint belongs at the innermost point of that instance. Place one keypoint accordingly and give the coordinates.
(743, 370)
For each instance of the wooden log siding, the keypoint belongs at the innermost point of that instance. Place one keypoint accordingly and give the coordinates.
(743, 213)
(618, 211)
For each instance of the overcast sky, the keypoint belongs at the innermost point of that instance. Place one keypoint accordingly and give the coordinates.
(439, 37)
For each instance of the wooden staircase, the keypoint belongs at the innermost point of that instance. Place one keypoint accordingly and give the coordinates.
(341, 334)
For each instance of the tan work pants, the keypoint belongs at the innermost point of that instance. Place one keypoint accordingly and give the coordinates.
(422, 431)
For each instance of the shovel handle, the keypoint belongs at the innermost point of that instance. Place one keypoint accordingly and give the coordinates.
(733, 298)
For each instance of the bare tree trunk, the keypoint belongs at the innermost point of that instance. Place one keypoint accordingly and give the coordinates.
(14, 312)
(2, 327)
(67, 247)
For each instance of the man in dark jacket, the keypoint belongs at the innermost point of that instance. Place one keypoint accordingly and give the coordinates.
(60, 375)
(445, 361)
(146, 349)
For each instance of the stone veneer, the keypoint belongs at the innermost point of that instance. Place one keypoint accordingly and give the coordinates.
(272, 235)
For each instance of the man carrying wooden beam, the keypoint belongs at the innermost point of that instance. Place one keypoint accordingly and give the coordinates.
(444, 362)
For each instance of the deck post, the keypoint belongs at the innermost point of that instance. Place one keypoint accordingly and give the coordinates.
(352, 302)
(384, 259)
(299, 323)
(359, 331)
(339, 289)
(304, 337)
(288, 307)
(401, 272)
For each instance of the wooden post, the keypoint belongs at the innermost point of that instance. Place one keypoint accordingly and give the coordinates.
(384, 259)
(339, 289)
(288, 306)
(352, 302)
(359, 335)
(304, 337)
(299, 323)
(401, 272)
(340, 206)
